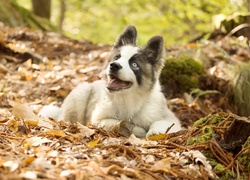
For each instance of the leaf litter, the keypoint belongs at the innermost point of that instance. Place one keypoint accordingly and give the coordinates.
(40, 68)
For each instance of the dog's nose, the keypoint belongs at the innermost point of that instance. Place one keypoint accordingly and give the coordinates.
(114, 66)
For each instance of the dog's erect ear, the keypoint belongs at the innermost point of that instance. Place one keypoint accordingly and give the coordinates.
(127, 37)
(154, 51)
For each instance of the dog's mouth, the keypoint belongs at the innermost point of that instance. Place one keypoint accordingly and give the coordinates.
(115, 84)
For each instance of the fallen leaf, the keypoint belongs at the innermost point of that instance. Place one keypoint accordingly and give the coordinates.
(148, 158)
(93, 143)
(31, 122)
(28, 160)
(162, 164)
(11, 165)
(41, 164)
(111, 141)
(196, 157)
(13, 124)
(23, 111)
(55, 133)
(85, 131)
(136, 141)
(37, 141)
(44, 122)
(157, 137)
(29, 175)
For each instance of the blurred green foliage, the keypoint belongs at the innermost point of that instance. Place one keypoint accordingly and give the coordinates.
(181, 74)
(176, 20)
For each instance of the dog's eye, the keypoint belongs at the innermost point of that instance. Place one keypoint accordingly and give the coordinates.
(134, 65)
(117, 56)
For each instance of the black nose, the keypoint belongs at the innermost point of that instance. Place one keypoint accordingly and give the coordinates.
(114, 66)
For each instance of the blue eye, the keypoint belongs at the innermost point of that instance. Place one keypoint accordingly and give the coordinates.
(134, 65)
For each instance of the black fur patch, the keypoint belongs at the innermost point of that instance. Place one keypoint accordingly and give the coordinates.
(137, 70)
(145, 69)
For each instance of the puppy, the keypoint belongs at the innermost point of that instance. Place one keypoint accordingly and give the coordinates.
(129, 91)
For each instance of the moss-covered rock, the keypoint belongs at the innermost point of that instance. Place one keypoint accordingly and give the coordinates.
(181, 74)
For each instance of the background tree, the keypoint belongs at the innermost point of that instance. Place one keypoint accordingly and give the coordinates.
(42, 8)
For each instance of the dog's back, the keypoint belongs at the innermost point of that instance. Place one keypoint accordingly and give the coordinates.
(79, 104)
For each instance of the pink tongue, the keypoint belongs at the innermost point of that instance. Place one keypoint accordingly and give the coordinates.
(117, 84)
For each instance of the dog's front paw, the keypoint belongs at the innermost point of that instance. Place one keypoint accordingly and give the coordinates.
(109, 124)
(155, 131)
(139, 132)
(160, 127)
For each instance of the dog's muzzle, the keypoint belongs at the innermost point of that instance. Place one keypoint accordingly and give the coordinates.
(114, 67)
(114, 83)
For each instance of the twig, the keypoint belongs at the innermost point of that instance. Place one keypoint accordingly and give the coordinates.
(232, 162)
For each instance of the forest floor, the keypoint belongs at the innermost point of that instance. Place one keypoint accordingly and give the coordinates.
(40, 68)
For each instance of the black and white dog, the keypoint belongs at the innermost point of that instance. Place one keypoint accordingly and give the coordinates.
(129, 91)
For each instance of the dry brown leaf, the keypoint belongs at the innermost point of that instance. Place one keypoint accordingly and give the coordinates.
(136, 141)
(13, 124)
(43, 122)
(37, 141)
(41, 164)
(27, 161)
(162, 164)
(157, 137)
(93, 143)
(57, 133)
(31, 122)
(11, 165)
(85, 131)
(23, 111)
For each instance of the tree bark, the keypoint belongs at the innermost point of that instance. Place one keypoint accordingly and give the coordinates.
(62, 13)
(42, 8)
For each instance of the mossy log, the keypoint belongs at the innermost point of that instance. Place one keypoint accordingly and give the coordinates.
(236, 134)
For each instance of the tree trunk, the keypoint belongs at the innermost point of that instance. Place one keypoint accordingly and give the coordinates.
(62, 13)
(42, 8)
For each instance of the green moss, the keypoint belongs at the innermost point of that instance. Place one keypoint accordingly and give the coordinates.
(216, 119)
(207, 134)
(225, 175)
(201, 121)
(213, 120)
(181, 74)
(244, 158)
(210, 157)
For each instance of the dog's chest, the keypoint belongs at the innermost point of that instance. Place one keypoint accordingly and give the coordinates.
(125, 108)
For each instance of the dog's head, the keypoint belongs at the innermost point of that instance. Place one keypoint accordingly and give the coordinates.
(132, 66)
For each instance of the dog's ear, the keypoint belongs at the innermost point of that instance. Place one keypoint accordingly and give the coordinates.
(127, 37)
(154, 51)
